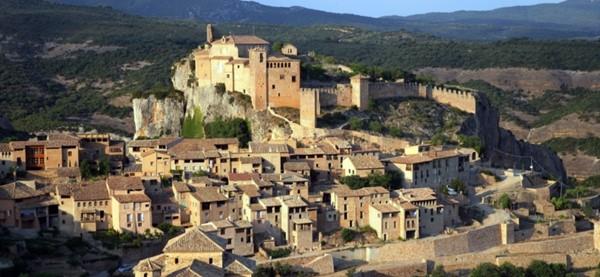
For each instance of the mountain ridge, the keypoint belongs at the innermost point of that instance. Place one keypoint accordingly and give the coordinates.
(568, 19)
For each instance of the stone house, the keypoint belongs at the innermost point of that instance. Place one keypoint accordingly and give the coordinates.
(84, 207)
(27, 205)
(95, 147)
(44, 155)
(362, 166)
(130, 204)
(6, 162)
(237, 234)
(195, 253)
(429, 168)
(155, 163)
(352, 206)
(431, 213)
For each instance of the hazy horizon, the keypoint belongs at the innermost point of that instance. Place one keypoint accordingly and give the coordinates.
(377, 8)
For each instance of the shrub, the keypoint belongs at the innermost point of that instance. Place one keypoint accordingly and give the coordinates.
(279, 253)
(355, 123)
(504, 202)
(348, 234)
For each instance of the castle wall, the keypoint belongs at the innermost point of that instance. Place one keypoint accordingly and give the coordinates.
(338, 96)
(284, 83)
(241, 78)
(258, 78)
(462, 100)
(382, 90)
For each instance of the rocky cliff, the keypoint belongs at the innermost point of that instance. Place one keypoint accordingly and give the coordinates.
(503, 149)
(156, 117)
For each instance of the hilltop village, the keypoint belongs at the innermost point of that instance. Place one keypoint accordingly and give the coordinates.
(314, 203)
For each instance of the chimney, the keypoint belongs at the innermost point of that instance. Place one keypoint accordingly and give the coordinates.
(209, 33)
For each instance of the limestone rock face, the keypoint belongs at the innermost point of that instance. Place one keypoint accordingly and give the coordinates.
(156, 117)
(213, 104)
(503, 149)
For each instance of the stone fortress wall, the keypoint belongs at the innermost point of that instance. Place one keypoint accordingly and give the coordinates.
(360, 91)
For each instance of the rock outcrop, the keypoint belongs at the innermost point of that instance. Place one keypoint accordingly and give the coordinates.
(503, 149)
(156, 117)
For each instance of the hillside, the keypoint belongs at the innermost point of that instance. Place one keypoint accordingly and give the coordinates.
(68, 66)
(570, 19)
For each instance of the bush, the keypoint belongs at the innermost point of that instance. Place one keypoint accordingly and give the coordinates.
(458, 186)
(348, 234)
(471, 142)
(355, 123)
(229, 128)
(504, 202)
(279, 253)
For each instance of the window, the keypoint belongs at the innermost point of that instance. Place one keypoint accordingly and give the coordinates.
(129, 218)
(281, 76)
(293, 79)
(210, 260)
(273, 86)
(261, 57)
(176, 260)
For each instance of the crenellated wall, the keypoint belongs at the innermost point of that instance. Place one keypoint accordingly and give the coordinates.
(338, 96)
(360, 91)
(382, 90)
(460, 99)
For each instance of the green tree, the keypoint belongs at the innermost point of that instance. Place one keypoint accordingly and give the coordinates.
(103, 167)
(486, 270)
(510, 270)
(375, 126)
(355, 123)
(438, 271)
(277, 46)
(504, 202)
(543, 269)
(193, 126)
(348, 234)
(86, 169)
(458, 186)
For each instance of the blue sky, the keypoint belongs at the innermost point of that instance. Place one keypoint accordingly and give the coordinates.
(400, 7)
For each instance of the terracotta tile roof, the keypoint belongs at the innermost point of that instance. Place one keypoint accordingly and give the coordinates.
(18, 190)
(208, 194)
(366, 162)
(235, 39)
(296, 166)
(407, 205)
(250, 190)
(251, 160)
(181, 187)
(270, 202)
(148, 265)
(198, 269)
(237, 177)
(309, 151)
(256, 147)
(163, 197)
(257, 207)
(124, 183)
(238, 266)
(168, 141)
(47, 143)
(198, 148)
(385, 208)
(143, 143)
(293, 201)
(328, 149)
(132, 198)
(133, 168)
(206, 181)
(343, 191)
(221, 141)
(194, 241)
(424, 157)
(68, 172)
(88, 191)
(417, 194)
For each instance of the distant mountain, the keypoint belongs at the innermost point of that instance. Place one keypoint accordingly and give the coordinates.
(569, 19)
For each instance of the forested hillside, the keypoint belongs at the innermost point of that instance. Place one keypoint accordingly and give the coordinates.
(569, 19)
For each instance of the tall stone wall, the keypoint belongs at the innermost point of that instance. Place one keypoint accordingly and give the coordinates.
(338, 96)
(471, 241)
(460, 99)
(383, 90)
